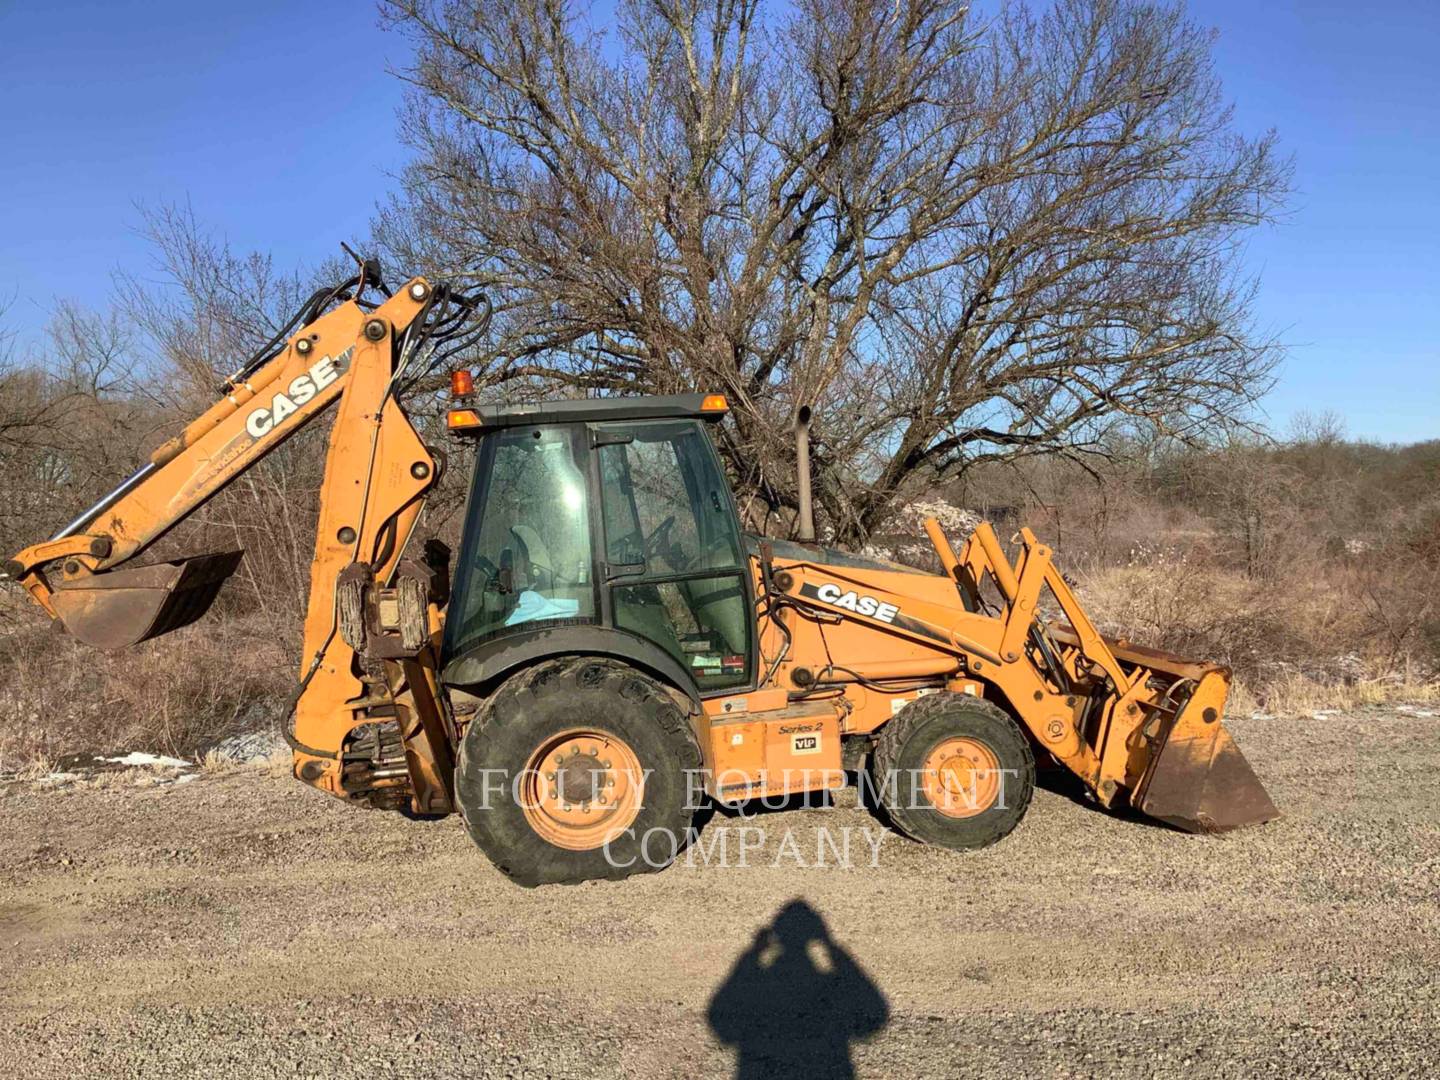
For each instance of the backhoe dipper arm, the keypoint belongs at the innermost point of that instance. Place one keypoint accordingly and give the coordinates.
(377, 474)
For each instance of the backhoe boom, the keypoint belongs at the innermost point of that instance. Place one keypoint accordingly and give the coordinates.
(377, 474)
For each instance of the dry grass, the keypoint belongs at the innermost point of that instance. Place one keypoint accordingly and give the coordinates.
(1303, 639)
(173, 695)
(1297, 694)
(33, 768)
(214, 763)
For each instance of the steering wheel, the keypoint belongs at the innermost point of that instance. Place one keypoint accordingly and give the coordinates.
(659, 538)
(659, 543)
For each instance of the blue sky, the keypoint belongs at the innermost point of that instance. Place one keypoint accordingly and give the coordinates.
(276, 121)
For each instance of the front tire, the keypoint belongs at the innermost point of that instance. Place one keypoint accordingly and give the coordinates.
(576, 770)
(954, 771)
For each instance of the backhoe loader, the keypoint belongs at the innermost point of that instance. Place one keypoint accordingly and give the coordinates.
(609, 650)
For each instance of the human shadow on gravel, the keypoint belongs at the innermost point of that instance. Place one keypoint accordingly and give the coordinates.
(795, 1000)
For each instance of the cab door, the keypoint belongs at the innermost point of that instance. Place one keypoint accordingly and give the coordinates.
(526, 561)
(672, 554)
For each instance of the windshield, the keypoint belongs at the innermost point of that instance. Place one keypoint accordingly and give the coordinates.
(525, 553)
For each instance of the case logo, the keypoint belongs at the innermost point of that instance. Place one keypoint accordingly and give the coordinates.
(302, 388)
(856, 602)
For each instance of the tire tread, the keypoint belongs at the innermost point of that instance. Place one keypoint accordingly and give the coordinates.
(897, 734)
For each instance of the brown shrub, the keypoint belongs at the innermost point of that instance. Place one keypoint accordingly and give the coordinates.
(1347, 629)
(173, 695)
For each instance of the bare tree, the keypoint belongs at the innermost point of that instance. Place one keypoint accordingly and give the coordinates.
(67, 421)
(964, 240)
(202, 307)
(30, 399)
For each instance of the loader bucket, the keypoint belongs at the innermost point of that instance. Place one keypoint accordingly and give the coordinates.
(116, 608)
(1197, 779)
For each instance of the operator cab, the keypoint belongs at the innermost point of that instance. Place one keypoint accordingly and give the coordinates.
(612, 515)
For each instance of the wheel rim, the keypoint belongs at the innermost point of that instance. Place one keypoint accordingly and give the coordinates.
(961, 777)
(582, 789)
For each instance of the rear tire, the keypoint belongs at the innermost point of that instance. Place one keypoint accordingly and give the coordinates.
(953, 770)
(616, 724)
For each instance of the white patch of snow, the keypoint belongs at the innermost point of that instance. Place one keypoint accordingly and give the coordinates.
(60, 779)
(135, 758)
(254, 747)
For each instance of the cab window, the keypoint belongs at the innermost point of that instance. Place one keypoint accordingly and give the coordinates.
(526, 557)
(672, 548)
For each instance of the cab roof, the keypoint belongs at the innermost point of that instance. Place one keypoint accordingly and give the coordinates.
(599, 410)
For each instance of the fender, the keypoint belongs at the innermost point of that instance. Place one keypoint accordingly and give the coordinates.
(492, 660)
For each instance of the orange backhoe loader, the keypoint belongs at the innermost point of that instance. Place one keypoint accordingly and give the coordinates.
(609, 650)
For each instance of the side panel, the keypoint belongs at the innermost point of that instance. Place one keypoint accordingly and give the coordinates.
(779, 752)
(858, 627)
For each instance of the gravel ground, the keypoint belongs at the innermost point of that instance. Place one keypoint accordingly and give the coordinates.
(242, 925)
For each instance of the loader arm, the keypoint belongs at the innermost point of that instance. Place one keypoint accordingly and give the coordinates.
(372, 624)
(1137, 726)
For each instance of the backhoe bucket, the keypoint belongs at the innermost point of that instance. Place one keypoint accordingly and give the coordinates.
(1197, 779)
(116, 608)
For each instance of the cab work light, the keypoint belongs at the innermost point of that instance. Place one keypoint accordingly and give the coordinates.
(460, 419)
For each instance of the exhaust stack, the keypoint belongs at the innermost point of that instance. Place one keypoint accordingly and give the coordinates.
(805, 519)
